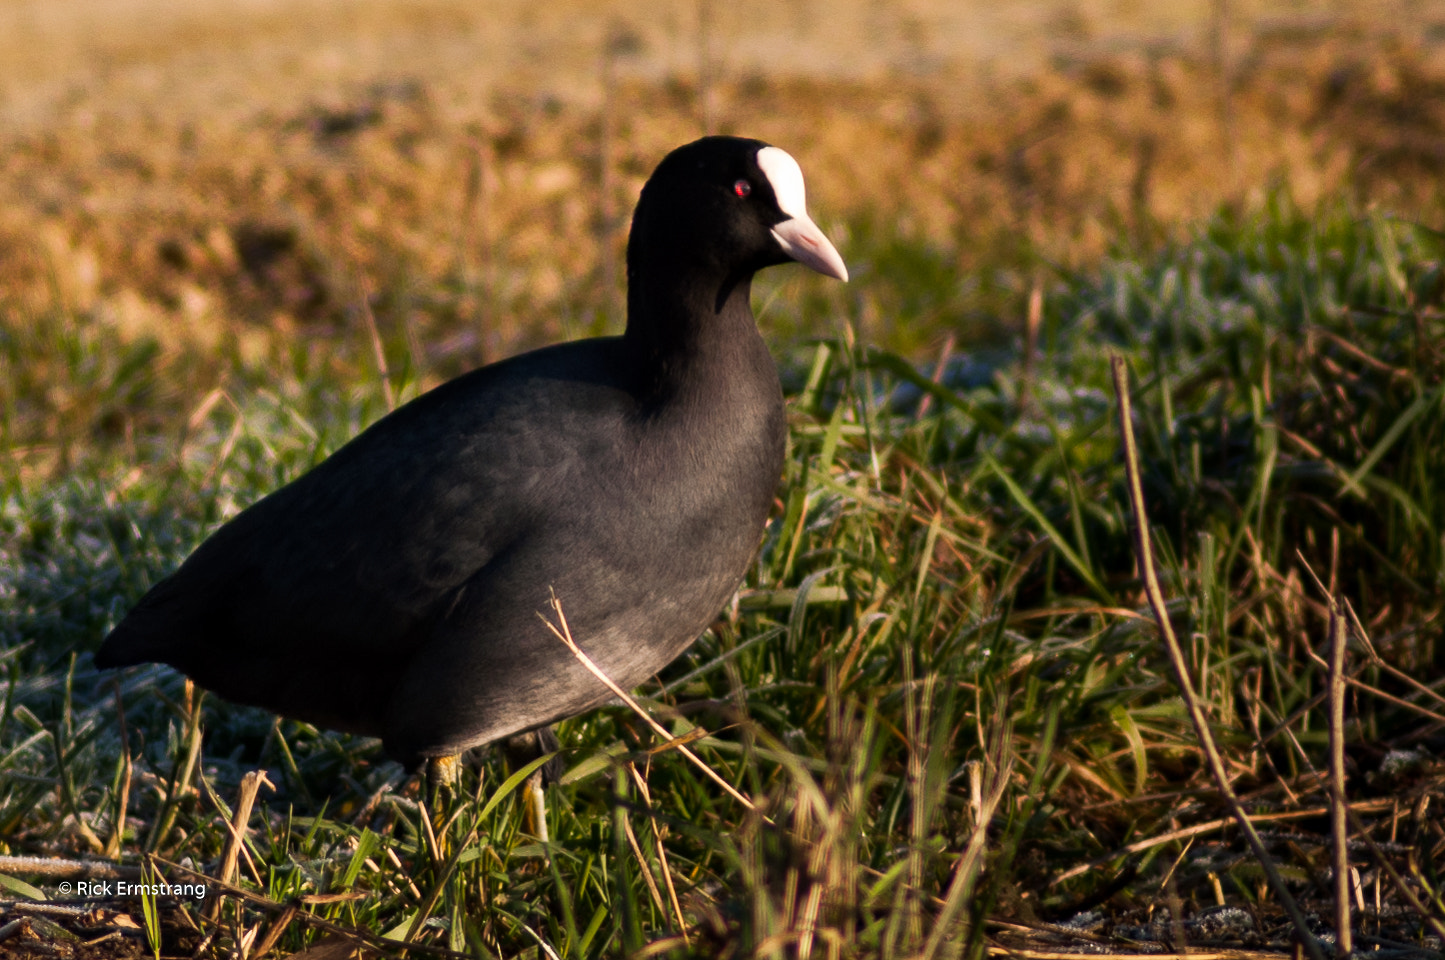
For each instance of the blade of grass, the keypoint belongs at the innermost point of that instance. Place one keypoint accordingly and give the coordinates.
(1061, 544)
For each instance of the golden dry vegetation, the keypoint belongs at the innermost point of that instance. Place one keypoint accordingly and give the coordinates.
(239, 175)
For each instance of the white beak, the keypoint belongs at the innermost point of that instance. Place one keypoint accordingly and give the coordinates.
(801, 239)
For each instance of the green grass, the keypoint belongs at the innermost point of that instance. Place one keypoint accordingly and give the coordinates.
(945, 611)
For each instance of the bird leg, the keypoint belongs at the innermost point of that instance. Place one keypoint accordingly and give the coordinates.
(521, 749)
(443, 779)
(443, 774)
(534, 816)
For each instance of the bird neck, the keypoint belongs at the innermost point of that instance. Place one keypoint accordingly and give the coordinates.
(692, 328)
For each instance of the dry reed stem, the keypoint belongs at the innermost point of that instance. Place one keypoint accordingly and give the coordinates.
(1339, 829)
(564, 633)
(661, 853)
(916, 717)
(395, 861)
(1391, 698)
(1174, 867)
(642, 863)
(428, 832)
(274, 932)
(251, 784)
(1377, 661)
(1354, 681)
(1256, 707)
(246, 939)
(1181, 666)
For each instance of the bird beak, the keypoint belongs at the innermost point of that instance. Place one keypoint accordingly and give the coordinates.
(801, 239)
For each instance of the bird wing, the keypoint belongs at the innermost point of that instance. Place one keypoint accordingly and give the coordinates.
(342, 573)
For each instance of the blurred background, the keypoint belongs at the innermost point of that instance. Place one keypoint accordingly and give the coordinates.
(432, 184)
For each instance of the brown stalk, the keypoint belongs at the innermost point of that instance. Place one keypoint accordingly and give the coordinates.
(1339, 829)
(1397, 701)
(1256, 707)
(643, 865)
(1181, 666)
(1351, 680)
(661, 854)
(428, 833)
(564, 633)
(1359, 354)
(395, 861)
(1377, 661)
(916, 718)
(251, 784)
(277, 928)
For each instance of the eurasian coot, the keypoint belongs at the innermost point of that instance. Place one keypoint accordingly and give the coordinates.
(394, 590)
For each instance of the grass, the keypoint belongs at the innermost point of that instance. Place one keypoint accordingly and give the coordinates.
(939, 685)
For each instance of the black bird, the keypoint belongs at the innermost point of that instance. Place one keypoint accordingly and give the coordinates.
(394, 590)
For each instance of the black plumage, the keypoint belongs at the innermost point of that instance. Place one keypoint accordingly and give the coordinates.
(394, 590)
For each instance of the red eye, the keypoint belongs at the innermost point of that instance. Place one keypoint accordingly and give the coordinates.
(742, 188)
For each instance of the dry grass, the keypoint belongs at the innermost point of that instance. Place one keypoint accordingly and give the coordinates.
(482, 213)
